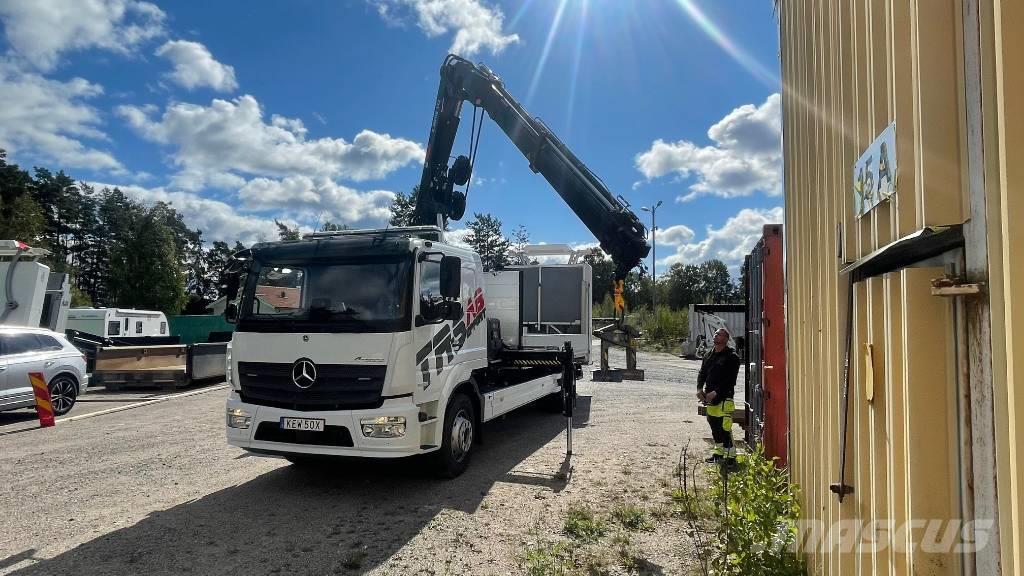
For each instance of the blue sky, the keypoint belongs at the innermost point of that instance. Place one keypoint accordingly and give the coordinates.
(242, 112)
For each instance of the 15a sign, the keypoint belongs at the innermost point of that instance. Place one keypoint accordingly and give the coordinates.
(874, 173)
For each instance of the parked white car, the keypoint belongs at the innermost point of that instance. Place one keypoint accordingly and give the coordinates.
(24, 350)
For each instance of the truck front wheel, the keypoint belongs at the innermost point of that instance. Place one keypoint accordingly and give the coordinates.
(459, 435)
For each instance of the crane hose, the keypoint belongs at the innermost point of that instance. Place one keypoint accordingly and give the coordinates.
(10, 304)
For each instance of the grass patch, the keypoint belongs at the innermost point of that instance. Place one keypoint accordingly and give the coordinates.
(632, 517)
(582, 524)
(686, 505)
(548, 559)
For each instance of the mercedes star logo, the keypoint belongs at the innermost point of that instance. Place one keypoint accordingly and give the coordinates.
(304, 373)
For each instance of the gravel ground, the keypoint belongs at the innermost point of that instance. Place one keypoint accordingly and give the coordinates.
(155, 490)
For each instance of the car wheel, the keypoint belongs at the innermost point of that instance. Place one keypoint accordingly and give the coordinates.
(459, 435)
(63, 392)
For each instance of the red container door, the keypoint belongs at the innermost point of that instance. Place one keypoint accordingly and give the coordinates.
(773, 363)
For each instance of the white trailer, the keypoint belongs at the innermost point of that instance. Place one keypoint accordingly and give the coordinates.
(118, 323)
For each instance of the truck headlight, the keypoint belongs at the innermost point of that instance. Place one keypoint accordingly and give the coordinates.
(383, 427)
(238, 418)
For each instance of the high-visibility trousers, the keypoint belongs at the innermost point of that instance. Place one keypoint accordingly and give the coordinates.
(720, 420)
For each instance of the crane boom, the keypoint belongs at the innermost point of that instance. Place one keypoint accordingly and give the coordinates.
(616, 227)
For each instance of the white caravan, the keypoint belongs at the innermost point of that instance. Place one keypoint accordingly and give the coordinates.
(120, 323)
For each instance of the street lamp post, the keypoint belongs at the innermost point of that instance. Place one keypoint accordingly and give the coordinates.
(654, 255)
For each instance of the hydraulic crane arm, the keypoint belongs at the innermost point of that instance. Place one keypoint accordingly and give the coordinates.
(608, 217)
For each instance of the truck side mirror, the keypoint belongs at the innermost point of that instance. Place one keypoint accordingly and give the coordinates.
(453, 311)
(451, 276)
(231, 285)
(231, 312)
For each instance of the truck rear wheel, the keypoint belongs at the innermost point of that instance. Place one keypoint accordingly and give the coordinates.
(459, 434)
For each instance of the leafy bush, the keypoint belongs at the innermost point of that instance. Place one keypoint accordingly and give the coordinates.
(581, 524)
(756, 526)
(664, 329)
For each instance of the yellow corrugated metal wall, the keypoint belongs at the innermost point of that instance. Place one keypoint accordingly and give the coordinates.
(851, 67)
(1007, 253)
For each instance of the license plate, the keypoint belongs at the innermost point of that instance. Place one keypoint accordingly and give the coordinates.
(305, 424)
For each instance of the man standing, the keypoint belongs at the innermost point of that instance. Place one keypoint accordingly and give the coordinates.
(716, 384)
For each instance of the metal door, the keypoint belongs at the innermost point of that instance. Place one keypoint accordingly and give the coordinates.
(755, 345)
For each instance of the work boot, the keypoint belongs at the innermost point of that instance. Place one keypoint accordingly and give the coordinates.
(713, 459)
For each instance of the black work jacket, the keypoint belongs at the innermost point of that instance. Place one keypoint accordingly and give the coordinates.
(718, 373)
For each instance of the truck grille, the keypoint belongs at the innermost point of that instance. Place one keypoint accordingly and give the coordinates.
(337, 387)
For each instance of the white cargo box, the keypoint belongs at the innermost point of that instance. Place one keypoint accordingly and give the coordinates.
(541, 307)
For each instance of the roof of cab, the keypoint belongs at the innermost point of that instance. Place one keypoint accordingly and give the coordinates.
(393, 242)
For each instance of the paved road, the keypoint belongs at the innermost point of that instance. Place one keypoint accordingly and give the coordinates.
(156, 490)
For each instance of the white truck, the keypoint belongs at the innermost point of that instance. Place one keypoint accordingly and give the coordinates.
(395, 343)
(391, 349)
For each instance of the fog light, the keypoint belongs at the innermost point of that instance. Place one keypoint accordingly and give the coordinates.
(238, 418)
(383, 427)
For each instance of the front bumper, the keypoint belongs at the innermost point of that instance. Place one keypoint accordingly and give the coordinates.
(407, 445)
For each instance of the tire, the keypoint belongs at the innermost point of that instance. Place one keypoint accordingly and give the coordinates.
(63, 393)
(459, 435)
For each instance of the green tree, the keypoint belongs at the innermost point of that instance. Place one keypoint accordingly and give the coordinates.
(487, 240)
(23, 220)
(403, 207)
(329, 226)
(286, 233)
(64, 209)
(602, 274)
(715, 282)
(21, 217)
(217, 257)
(517, 248)
(145, 270)
(682, 285)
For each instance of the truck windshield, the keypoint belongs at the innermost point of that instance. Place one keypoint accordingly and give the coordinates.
(328, 297)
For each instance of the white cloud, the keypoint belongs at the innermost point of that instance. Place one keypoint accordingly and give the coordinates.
(675, 235)
(318, 198)
(41, 30)
(217, 220)
(51, 119)
(476, 25)
(730, 243)
(220, 143)
(458, 237)
(195, 67)
(746, 156)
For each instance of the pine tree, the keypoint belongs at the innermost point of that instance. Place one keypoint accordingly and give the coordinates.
(286, 233)
(403, 207)
(487, 240)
